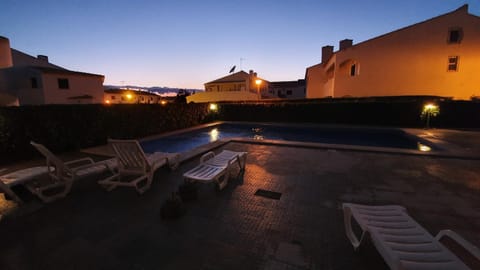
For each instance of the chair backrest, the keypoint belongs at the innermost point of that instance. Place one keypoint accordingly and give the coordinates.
(130, 155)
(52, 160)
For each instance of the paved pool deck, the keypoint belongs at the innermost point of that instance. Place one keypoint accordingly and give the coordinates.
(233, 228)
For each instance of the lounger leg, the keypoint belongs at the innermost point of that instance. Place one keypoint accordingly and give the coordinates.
(347, 218)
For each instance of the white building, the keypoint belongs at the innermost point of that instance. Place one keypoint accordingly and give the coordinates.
(32, 80)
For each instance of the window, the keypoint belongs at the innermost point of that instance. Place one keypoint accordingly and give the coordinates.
(353, 70)
(453, 63)
(63, 83)
(33, 82)
(112, 97)
(455, 35)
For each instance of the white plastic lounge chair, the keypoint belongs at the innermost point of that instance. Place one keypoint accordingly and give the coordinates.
(216, 168)
(7, 181)
(401, 241)
(63, 174)
(135, 167)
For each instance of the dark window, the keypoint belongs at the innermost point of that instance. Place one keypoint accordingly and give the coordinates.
(453, 63)
(63, 83)
(455, 35)
(353, 70)
(289, 92)
(33, 82)
(113, 97)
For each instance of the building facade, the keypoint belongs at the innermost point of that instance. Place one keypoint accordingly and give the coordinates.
(126, 96)
(239, 86)
(35, 81)
(439, 57)
(286, 90)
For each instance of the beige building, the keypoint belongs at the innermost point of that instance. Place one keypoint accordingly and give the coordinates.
(34, 80)
(287, 90)
(239, 86)
(126, 96)
(440, 56)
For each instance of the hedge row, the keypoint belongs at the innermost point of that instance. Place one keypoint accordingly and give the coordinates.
(71, 127)
(387, 112)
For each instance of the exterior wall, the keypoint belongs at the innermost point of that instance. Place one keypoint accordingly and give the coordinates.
(221, 96)
(410, 61)
(287, 89)
(17, 82)
(79, 85)
(236, 87)
(121, 97)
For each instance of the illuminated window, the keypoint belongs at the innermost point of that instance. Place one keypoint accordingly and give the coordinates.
(455, 35)
(453, 63)
(33, 82)
(63, 83)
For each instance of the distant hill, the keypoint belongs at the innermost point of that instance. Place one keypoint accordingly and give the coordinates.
(163, 91)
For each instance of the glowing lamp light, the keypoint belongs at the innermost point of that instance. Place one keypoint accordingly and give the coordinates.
(129, 96)
(213, 107)
(163, 102)
(258, 81)
(430, 107)
(107, 101)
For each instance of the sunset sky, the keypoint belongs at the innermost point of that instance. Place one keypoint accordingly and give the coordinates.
(185, 43)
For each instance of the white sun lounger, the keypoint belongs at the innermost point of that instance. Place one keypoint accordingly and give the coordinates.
(216, 168)
(7, 181)
(401, 241)
(64, 174)
(133, 162)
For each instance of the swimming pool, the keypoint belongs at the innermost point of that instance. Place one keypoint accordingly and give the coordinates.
(373, 137)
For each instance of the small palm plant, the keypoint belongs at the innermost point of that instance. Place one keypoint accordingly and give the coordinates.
(429, 110)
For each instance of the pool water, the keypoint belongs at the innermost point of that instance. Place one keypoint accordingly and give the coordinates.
(374, 137)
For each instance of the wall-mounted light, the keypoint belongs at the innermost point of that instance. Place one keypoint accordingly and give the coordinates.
(163, 102)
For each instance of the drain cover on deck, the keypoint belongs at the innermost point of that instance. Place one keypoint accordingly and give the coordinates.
(268, 194)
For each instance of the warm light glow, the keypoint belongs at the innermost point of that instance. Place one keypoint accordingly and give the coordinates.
(213, 135)
(213, 107)
(430, 107)
(107, 101)
(258, 81)
(163, 102)
(129, 96)
(424, 148)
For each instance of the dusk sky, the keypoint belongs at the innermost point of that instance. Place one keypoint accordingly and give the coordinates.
(186, 43)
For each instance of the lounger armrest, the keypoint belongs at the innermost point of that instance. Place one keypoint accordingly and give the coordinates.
(81, 160)
(475, 251)
(207, 156)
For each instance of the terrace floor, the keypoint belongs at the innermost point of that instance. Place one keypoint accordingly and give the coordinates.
(233, 228)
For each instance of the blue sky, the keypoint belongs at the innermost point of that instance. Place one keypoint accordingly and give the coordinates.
(185, 43)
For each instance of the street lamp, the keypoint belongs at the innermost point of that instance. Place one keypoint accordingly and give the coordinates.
(258, 82)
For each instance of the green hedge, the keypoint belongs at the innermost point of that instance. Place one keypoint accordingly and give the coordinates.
(71, 127)
(399, 112)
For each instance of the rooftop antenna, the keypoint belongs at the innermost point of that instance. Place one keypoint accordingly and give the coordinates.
(241, 62)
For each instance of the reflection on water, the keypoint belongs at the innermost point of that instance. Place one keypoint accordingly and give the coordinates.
(423, 147)
(213, 135)
(257, 137)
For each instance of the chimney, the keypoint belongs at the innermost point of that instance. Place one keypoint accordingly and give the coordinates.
(346, 43)
(327, 52)
(43, 58)
(5, 53)
(255, 74)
